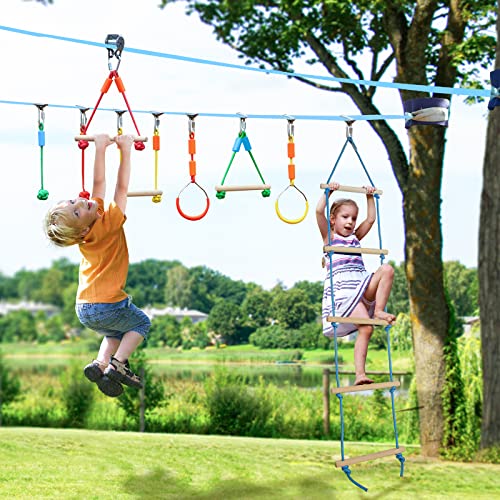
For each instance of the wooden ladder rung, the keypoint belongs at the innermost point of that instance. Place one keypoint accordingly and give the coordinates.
(356, 321)
(251, 187)
(365, 387)
(351, 189)
(144, 193)
(371, 456)
(342, 249)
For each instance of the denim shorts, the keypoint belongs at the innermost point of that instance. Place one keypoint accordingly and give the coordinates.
(114, 319)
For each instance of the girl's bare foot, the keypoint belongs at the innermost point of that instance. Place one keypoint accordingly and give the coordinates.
(362, 380)
(390, 318)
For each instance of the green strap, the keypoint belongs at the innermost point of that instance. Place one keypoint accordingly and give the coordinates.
(43, 194)
(221, 194)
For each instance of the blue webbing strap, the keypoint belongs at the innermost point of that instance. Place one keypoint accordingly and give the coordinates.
(392, 85)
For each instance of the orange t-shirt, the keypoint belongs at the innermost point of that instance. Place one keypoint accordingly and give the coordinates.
(104, 265)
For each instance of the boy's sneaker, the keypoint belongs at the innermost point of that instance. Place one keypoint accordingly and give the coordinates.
(107, 386)
(121, 373)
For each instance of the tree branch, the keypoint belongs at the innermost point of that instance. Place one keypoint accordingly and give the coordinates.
(453, 35)
(365, 104)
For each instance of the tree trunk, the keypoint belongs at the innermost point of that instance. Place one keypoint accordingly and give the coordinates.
(489, 277)
(428, 308)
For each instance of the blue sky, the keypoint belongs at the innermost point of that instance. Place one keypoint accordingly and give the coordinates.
(241, 236)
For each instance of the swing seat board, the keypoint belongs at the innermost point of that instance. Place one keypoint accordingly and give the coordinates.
(371, 456)
(342, 249)
(364, 387)
(356, 321)
(351, 189)
(251, 187)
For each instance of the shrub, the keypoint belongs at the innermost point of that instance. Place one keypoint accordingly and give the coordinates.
(77, 396)
(278, 337)
(130, 400)
(234, 407)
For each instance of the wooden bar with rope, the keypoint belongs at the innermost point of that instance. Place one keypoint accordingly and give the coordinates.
(371, 456)
(153, 192)
(344, 249)
(364, 387)
(356, 321)
(90, 138)
(251, 187)
(350, 189)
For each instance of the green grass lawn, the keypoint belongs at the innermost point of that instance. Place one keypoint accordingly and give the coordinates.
(77, 464)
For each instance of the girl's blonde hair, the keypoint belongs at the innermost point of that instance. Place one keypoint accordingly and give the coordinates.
(336, 207)
(60, 229)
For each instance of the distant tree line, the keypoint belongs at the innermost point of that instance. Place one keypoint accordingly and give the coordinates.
(238, 312)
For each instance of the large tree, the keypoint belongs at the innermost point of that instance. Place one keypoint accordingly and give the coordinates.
(489, 276)
(427, 42)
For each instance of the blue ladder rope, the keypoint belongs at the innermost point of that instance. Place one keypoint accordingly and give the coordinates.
(370, 83)
(348, 473)
(399, 456)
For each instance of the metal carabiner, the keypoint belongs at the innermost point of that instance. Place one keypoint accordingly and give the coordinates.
(119, 118)
(290, 126)
(191, 124)
(243, 123)
(157, 120)
(83, 117)
(41, 113)
(349, 121)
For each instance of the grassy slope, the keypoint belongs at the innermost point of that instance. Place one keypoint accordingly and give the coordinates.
(76, 464)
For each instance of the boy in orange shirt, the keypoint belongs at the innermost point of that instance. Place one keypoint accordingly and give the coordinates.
(101, 302)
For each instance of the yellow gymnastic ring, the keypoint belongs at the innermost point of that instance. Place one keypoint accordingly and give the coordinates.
(291, 221)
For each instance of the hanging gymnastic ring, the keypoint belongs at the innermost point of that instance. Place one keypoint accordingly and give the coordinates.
(291, 221)
(192, 217)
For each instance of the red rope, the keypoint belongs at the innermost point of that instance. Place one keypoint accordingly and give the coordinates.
(139, 146)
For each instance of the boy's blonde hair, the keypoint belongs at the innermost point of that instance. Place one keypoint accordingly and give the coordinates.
(60, 229)
(339, 203)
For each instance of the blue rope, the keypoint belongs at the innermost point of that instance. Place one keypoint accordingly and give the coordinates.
(328, 182)
(347, 471)
(339, 118)
(371, 83)
(399, 456)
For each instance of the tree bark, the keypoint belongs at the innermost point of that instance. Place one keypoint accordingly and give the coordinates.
(424, 270)
(489, 276)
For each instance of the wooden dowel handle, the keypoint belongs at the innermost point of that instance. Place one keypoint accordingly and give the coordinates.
(351, 189)
(90, 138)
(343, 249)
(254, 187)
(144, 193)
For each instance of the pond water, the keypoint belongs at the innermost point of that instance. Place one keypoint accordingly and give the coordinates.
(307, 376)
